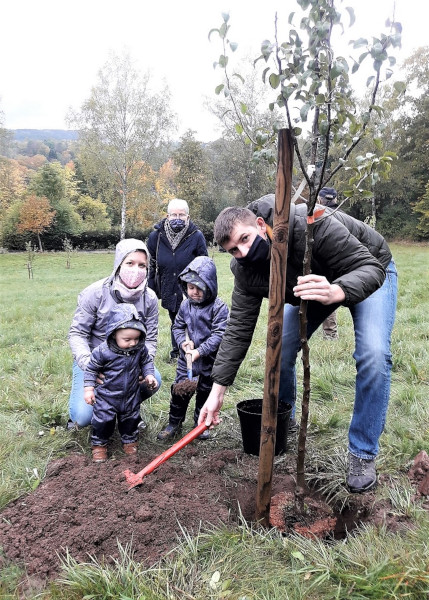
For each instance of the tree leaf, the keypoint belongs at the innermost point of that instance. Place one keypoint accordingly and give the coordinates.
(240, 77)
(352, 15)
(304, 111)
(223, 31)
(399, 87)
(219, 88)
(360, 42)
(223, 61)
(211, 31)
(274, 80)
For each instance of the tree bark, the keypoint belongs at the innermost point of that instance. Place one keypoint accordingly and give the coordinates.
(275, 325)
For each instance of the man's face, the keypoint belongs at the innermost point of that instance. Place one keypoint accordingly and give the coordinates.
(242, 237)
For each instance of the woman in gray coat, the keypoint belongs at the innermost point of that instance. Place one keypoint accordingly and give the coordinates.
(127, 283)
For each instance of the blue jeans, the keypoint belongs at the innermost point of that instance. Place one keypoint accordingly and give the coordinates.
(80, 411)
(373, 321)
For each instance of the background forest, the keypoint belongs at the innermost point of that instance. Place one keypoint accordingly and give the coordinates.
(114, 172)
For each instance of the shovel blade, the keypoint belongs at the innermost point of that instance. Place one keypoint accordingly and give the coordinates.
(134, 479)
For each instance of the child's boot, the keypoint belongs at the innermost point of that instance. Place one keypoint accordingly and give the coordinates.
(169, 432)
(178, 406)
(99, 454)
(130, 448)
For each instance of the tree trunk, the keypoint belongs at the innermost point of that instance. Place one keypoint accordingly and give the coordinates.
(279, 249)
(302, 438)
(124, 203)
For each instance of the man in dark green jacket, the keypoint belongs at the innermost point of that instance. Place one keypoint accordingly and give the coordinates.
(352, 266)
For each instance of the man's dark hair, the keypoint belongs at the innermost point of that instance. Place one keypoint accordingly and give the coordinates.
(228, 219)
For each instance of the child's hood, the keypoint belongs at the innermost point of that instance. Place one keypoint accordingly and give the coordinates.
(205, 268)
(125, 247)
(125, 316)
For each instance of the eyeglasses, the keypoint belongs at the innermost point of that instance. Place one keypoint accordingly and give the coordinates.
(178, 215)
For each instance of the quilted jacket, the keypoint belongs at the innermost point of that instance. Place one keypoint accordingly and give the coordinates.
(206, 322)
(346, 251)
(171, 262)
(121, 368)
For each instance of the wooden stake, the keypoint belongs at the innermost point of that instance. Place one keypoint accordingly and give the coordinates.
(275, 325)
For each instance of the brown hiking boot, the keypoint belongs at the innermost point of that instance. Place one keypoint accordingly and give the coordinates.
(131, 448)
(99, 454)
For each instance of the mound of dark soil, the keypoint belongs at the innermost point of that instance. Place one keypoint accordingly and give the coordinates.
(86, 508)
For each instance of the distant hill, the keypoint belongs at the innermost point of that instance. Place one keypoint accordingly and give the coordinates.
(44, 134)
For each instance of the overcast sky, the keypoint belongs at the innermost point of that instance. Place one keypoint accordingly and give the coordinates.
(51, 50)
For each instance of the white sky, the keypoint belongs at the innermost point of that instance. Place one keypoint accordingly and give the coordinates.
(51, 50)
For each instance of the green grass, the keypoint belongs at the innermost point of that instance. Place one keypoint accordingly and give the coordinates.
(235, 563)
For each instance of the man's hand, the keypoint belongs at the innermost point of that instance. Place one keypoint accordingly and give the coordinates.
(210, 412)
(100, 378)
(89, 395)
(318, 288)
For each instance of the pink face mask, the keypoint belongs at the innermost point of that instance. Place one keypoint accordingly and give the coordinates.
(132, 277)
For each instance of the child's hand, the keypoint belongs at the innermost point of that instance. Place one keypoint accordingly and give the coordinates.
(89, 395)
(187, 346)
(151, 382)
(195, 355)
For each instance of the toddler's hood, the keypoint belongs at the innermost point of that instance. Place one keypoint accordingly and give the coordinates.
(205, 268)
(124, 316)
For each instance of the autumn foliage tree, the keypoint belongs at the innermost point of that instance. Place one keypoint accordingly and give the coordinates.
(36, 215)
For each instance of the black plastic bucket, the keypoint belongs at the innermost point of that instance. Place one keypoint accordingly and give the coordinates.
(250, 415)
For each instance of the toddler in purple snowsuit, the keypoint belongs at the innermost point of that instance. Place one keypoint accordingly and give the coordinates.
(122, 359)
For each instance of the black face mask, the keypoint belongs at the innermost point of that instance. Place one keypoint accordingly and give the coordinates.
(258, 255)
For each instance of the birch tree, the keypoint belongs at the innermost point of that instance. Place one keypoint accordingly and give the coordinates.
(119, 125)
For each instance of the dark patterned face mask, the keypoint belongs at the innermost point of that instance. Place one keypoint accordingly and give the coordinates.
(258, 255)
(177, 224)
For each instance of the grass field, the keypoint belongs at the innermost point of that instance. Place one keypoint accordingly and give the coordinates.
(35, 375)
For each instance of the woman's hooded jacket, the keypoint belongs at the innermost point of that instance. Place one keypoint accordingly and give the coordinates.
(171, 262)
(121, 367)
(95, 303)
(206, 322)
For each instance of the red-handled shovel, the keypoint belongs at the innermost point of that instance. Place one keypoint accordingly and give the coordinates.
(137, 478)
